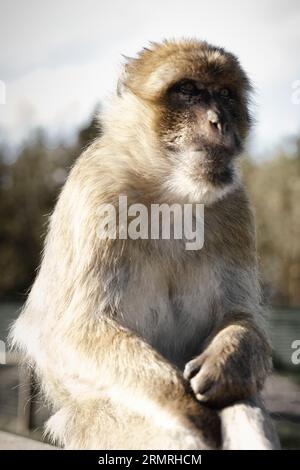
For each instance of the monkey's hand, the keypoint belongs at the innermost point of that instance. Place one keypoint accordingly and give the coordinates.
(232, 367)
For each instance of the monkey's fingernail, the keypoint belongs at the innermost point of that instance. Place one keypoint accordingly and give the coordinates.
(191, 370)
(201, 397)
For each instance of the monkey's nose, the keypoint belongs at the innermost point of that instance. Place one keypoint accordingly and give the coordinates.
(215, 121)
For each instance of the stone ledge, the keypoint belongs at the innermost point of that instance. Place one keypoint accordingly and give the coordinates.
(10, 441)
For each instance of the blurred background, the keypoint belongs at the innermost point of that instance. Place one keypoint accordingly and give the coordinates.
(59, 61)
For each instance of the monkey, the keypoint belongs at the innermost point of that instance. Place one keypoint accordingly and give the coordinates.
(140, 343)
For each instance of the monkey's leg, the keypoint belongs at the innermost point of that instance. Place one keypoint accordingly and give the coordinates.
(116, 366)
(246, 425)
(104, 424)
(234, 364)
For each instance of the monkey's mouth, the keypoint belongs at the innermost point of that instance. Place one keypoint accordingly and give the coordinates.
(222, 150)
(216, 163)
(218, 175)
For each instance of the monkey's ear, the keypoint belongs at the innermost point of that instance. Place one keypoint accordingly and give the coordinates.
(122, 84)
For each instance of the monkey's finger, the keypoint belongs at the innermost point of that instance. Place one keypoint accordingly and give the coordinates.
(210, 395)
(193, 367)
(201, 383)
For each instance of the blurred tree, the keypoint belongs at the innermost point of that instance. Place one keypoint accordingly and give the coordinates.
(90, 132)
(28, 189)
(274, 187)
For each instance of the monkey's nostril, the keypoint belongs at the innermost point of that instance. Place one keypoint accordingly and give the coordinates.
(212, 117)
(225, 127)
(215, 121)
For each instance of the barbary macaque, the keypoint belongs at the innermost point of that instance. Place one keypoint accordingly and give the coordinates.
(139, 343)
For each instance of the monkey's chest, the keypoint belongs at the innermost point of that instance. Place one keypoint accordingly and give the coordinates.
(175, 319)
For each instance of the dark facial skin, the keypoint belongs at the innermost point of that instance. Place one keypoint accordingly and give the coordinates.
(203, 117)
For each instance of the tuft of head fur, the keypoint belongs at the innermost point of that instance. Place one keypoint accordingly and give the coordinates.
(162, 64)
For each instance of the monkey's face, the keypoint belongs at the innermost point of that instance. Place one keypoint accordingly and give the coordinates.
(199, 94)
(204, 120)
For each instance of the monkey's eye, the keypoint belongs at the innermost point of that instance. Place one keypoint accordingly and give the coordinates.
(224, 93)
(186, 87)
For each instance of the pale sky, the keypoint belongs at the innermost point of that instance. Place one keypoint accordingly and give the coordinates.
(59, 58)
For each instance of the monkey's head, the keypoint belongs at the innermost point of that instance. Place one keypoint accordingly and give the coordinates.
(197, 95)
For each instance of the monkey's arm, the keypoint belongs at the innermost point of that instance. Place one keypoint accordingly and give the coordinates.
(236, 356)
(234, 363)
